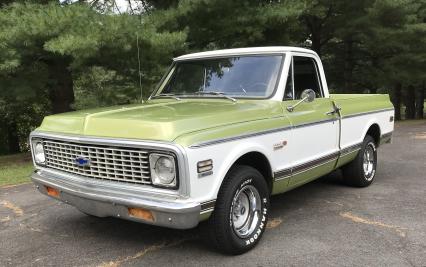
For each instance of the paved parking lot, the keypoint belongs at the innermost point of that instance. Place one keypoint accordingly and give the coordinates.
(323, 223)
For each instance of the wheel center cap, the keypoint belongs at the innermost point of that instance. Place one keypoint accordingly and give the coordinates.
(243, 210)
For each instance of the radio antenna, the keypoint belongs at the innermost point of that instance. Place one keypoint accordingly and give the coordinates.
(139, 67)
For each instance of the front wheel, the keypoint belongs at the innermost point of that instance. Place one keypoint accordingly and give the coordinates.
(241, 211)
(362, 170)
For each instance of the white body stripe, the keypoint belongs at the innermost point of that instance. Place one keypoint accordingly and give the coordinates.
(225, 154)
(304, 144)
(313, 142)
(355, 128)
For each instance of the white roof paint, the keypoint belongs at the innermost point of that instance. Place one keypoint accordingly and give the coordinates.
(246, 51)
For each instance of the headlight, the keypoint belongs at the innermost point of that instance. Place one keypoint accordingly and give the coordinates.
(163, 170)
(38, 151)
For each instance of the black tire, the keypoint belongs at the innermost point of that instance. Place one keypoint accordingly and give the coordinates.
(354, 173)
(240, 182)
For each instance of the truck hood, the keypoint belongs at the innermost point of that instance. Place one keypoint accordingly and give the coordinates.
(160, 120)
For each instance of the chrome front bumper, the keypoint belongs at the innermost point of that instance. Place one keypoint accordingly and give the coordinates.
(110, 202)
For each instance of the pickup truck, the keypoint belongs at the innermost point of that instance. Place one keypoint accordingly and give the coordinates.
(223, 131)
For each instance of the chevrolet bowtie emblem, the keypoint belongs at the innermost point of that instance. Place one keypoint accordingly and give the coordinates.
(82, 161)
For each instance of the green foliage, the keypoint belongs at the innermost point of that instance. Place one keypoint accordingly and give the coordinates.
(98, 87)
(399, 31)
(224, 24)
(33, 33)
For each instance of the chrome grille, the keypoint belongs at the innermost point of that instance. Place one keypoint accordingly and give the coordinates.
(121, 164)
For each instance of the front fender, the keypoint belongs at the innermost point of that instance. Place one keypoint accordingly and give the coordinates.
(223, 156)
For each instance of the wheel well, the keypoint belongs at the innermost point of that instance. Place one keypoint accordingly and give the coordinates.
(374, 131)
(258, 161)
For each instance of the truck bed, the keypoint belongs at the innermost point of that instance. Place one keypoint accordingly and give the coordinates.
(361, 103)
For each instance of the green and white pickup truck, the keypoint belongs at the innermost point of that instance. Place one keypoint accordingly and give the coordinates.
(223, 132)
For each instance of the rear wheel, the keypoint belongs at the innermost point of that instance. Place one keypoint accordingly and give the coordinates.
(241, 211)
(362, 170)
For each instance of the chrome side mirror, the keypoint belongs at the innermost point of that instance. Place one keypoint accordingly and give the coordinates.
(308, 95)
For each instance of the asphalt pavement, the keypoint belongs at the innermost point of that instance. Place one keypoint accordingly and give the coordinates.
(323, 223)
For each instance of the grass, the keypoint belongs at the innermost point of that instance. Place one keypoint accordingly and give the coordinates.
(15, 169)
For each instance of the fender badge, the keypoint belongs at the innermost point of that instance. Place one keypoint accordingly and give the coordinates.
(280, 145)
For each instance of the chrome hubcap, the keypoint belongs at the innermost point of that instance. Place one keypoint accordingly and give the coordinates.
(245, 211)
(368, 164)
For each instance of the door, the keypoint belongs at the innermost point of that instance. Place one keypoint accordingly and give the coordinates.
(314, 148)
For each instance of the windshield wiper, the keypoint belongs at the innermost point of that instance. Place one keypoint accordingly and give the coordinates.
(215, 93)
(166, 95)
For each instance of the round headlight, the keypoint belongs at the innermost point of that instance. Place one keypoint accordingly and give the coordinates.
(39, 153)
(165, 170)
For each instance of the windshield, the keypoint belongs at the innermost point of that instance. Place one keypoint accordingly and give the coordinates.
(242, 76)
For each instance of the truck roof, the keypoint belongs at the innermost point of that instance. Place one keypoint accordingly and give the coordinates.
(244, 51)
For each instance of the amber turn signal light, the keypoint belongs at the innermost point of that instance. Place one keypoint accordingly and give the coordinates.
(52, 192)
(141, 214)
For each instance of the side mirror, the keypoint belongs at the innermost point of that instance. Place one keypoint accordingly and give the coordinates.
(308, 95)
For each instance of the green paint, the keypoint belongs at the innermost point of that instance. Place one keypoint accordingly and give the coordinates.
(280, 186)
(302, 178)
(205, 216)
(309, 112)
(346, 159)
(191, 121)
(232, 130)
(358, 103)
(164, 120)
(307, 176)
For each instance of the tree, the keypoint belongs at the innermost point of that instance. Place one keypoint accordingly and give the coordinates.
(66, 38)
(397, 41)
(318, 18)
(342, 44)
(226, 24)
(57, 43)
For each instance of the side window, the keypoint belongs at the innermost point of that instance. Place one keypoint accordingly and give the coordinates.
(288, 93)
(306, 76)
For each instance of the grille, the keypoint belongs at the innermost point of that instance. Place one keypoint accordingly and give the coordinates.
(120, 164)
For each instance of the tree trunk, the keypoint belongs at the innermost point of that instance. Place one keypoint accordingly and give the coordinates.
(316, 41)
(349, 65)
(314, 27)
(410, 106)
(396, 100)
(61, 92)
(420, 98)
(12, 138)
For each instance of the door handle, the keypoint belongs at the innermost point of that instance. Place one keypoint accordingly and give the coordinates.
(334, 111)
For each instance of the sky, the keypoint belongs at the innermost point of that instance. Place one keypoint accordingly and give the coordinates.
(122, 4)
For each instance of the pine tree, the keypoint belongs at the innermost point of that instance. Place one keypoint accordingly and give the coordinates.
(45, 47)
